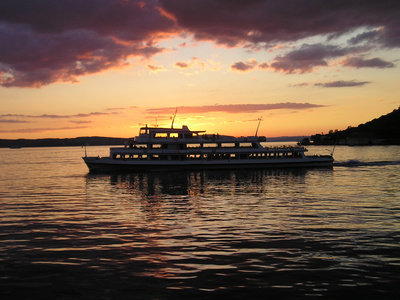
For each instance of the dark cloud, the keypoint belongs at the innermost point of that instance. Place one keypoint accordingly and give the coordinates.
(269, 22)
(128, 20)
(367, 36)
(39, 130)
(232, 108)
(80, 122)
(182, 65)
(359, 62)
(13, 121)
(244, 66)
(45, 41)
(341, 83)
(306, 58)
(266, 23)
(47, 116)
(299, 84)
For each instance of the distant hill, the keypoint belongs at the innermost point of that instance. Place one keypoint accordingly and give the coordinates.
(381, 131)
(79, 141)
(95, 141)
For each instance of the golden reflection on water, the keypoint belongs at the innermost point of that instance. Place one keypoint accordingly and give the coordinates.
(242, 231)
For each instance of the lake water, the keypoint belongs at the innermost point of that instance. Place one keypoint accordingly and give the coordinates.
(270, 234)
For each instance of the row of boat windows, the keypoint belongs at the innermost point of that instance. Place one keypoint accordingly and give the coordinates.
(215, 156)
(189, 146)
(176, 135)
(170, 134)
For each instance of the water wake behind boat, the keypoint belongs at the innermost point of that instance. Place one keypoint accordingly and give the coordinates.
(357, 163)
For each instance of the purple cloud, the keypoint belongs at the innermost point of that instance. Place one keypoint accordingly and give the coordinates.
(233, 108)
(129, 20)
(47, 116)
(80, 122)
(270, 22)
(299, 84)
(308, 57)
(241, 66)
(263, 65)
(359, 62)
(13, 121)
(342, 83)
(38, 130)
(182, 65)
(46, 41)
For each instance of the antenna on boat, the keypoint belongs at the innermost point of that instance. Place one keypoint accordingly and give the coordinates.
(85, 148)
(334, 146)
(173, 118)
(258, 126)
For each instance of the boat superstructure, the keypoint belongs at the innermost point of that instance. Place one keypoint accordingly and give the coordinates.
(160, 149)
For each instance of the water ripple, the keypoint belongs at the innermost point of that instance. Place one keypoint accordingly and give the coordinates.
(295, 234)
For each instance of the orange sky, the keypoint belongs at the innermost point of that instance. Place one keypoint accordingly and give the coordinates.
(105, 69)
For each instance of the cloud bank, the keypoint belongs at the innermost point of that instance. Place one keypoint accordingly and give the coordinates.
(39, 130)
(232, 108)
(46, 41)
(270, 22)
(359, 62)
(342, 83)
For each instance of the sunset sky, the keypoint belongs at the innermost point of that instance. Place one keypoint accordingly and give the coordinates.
(71, 68)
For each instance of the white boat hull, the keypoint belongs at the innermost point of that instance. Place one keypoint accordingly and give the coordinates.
(106, 164)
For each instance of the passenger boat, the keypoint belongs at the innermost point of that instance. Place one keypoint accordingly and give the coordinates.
(163, 149)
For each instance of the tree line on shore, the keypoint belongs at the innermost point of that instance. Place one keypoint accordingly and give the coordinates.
(381, 131)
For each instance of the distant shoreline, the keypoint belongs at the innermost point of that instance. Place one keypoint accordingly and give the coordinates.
(94, 141)
(55, 142)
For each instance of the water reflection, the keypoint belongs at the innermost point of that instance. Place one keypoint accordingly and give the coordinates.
(276, 233)
(259, 234)
(201, 183)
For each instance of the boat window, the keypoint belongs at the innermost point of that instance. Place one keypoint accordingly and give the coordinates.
(228, 145)
(245, 144)
(144, 131)
(194, 145)
(210, 145)
(161, 135)
(173, 135)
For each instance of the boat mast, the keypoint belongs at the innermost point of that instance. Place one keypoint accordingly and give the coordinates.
(258, 126)
(173, 118)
